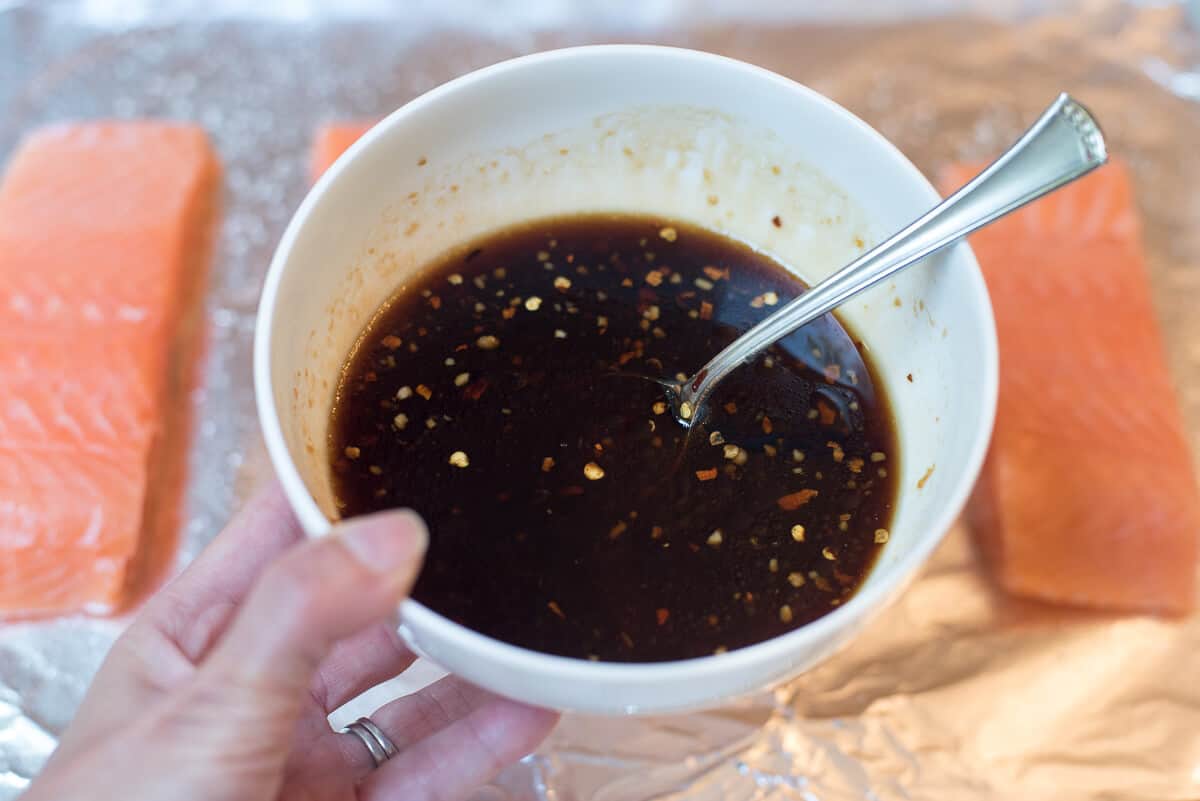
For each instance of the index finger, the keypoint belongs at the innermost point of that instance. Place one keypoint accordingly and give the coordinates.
(217, 581)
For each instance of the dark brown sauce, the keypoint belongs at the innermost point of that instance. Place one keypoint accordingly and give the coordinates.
(569, 513)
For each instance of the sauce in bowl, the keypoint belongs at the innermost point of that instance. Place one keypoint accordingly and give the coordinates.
(506, 396)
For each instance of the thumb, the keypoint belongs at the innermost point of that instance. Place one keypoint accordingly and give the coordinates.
(317, 594)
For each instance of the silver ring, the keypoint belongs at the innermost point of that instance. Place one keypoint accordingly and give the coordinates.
(378, 744)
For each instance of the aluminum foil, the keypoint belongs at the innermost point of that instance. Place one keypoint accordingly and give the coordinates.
(957, 692)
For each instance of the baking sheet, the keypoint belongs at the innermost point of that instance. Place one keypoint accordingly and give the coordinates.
(956, 692)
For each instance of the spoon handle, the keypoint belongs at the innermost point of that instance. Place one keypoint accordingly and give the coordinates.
(1064, 144)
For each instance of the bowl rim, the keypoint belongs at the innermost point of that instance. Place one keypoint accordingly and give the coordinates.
(513, 657)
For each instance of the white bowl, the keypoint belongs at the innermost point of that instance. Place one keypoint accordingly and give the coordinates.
(678, 133)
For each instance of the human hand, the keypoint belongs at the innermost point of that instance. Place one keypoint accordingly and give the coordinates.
(221, 688)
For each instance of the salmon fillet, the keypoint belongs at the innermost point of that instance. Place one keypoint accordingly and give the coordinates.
(1088, 495)
(104, 232)
(331, 141)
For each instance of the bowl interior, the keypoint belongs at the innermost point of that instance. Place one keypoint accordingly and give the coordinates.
(677, 134)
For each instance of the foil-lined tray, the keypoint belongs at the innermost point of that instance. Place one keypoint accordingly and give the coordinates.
(956, 692)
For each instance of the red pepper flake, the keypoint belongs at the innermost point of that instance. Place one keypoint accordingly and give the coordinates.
(424, 391)
(828, 415)
(391, 342)
(775, 221)
(706, 475)
(509, 313)
(909, 377)
(792, 502)
(706, 310)
(475, 390)
(617, 530)
(731, 408)
(556, 609)
(766, 425)
(924, 478)
(461, 348)
(662, 615)
(715, 273)
(627, 282)
(435, 302)
(656, 532)
(626, 356)
(654, 278)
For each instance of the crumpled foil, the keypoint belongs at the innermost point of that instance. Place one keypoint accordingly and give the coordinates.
(957, 692)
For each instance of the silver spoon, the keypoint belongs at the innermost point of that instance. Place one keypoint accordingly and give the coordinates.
(1064, 144)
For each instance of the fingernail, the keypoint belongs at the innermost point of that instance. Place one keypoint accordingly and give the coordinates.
(387, 542)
